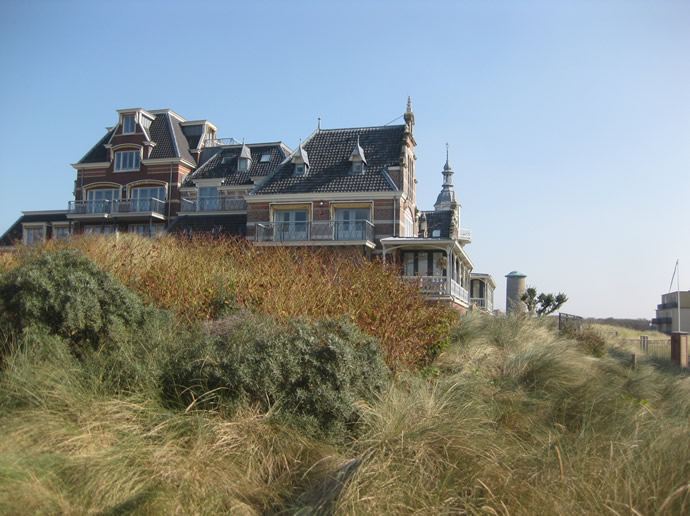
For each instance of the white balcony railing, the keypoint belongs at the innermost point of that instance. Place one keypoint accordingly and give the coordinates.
(482, 303)
(322, 230)
(194, 204)
(119, 206)
(438, 286)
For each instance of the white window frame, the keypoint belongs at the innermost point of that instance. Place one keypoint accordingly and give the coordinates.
(243, 164)
(129, 124)
(59, 228)
(34, 234)
(127, 160)
(265, 158)
(300, 170)
(141, 197)
(357, 167)
(99, 200)
(289, 225)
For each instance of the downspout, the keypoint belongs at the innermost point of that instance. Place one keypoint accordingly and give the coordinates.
(170, 192)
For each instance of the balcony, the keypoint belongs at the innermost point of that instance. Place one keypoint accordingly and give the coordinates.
(205, 204)
(465, 235)
(482, 303)
(316, 232)
(437, 287)
(126, 207)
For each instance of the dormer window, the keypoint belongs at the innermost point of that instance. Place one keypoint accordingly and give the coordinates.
(243, 164)
(128, 124)
(357, 159)
(301, 162)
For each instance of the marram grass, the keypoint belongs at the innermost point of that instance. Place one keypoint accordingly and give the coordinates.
(510, 418)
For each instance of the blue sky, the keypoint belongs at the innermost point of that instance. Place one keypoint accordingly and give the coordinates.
(568, 121)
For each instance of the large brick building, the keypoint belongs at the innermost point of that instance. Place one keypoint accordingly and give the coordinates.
(352, 188)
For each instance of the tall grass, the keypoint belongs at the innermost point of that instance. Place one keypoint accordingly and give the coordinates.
(511, 418)
(204, 278)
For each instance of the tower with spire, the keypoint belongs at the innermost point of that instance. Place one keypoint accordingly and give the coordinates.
(447, 200)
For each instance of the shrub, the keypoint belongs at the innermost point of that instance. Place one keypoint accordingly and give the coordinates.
(69, 295)
(592, 343)
(314, 372)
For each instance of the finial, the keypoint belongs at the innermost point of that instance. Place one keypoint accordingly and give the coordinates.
(319, 123)
(409, 104)
(447, 152)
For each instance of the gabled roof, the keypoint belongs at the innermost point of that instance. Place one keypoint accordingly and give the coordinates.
(223, 163)
(166, 132)
(329, 153)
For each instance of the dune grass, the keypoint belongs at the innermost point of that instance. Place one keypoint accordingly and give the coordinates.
(510, 419)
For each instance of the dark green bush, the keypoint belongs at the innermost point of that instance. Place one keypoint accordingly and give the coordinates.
(70, 296)
(311, 372)
(592, 343)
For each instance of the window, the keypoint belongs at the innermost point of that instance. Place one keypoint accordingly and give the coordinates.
(291, 225)
(409, 225)
(99, 230)
(208, 198)
(127, 160)
(148, 198)
(61, 232)
(128, 125)
(300, 169)
(357, 167)
(243, 164)
(33, 235)
(351, 223)
(146, 229)
(265, 158)
(101, 201)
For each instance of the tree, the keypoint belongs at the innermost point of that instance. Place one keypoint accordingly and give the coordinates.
(542, 304)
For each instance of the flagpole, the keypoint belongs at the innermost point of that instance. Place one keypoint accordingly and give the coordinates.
(678, 293)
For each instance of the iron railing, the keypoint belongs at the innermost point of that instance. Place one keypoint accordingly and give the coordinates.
(119, 206)
(193, 204)
(217, 142)
(321, 230)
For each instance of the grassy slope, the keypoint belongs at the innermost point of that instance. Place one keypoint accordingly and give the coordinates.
(509, 420)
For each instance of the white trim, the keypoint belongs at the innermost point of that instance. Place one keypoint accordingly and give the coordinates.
(158, 161)
(100, 164)
(46, 212)
(325, 196)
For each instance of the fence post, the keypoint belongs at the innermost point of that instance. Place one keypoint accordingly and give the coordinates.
(679, 348)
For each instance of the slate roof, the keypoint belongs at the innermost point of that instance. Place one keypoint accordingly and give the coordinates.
(329, 153)
(15, 234)
(165, 131)
(439, 220)
(223, 163)
(98, 152)
(217, 224)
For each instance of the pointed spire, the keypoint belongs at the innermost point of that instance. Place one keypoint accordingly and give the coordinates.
(409, 115)
(358, 153)
(245, 152)
(446, 199)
